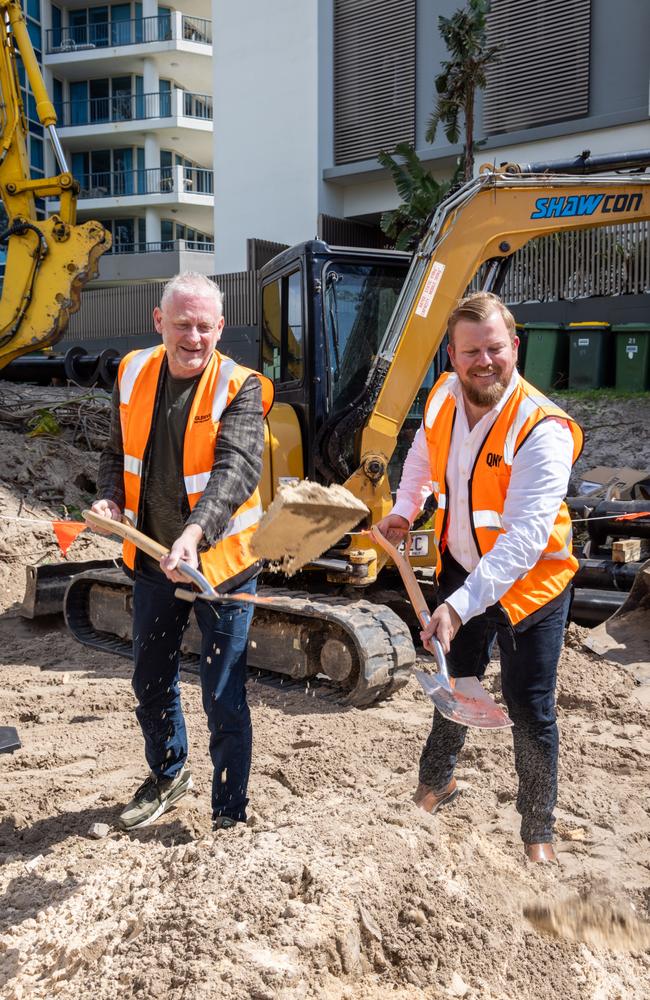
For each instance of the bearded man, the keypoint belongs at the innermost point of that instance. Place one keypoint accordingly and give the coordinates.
(497, 455)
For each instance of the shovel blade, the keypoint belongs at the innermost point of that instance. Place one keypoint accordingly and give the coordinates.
(466, 703)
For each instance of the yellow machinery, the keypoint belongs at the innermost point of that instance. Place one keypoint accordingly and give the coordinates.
(340, 623)
(48, 260)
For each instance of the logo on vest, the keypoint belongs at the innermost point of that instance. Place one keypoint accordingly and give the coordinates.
(494, 461)
(202, 418)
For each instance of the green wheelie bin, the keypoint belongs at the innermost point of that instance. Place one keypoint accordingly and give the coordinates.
(632, 356)
(591, 360)
(547, 355)
(522, 333)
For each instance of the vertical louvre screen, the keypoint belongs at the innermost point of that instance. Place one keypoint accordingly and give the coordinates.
(374, 77)
(542, 73)
(608, 260)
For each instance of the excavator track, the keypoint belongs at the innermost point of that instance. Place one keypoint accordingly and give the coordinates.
(364, 649)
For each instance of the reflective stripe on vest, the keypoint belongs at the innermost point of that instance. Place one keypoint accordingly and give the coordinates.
(524, 408)
(139, 378)
(487, 519)
(131, 372)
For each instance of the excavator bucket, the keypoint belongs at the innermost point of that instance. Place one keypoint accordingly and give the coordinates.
(625, 637)
(304, 521)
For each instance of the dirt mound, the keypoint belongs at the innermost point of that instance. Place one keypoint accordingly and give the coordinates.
(338, 887)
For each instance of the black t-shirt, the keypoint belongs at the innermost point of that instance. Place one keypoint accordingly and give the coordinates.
(163, 515)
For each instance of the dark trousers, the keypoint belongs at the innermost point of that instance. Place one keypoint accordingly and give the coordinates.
(529, 656)
(159, 620)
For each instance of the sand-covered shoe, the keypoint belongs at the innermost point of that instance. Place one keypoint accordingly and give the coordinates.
(153, 798)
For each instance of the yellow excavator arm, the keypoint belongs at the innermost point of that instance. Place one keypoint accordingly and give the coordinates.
(488, 219)
(48, 260)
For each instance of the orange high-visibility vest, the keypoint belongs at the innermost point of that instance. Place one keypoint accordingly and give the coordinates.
(138, 378)
(488, 486)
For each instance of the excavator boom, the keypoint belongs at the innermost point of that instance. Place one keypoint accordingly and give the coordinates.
(48, 260)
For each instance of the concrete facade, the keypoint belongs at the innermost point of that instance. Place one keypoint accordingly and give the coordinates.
(132, 87)
(274, 123)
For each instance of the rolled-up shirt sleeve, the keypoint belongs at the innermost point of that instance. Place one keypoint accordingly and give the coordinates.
(110, 478)
(538, 485)
(415, 484)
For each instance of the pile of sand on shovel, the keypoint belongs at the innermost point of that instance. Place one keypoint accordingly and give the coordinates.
(303, 522)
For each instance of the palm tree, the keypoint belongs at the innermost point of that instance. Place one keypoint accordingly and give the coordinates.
(462, 75)
(420, 193)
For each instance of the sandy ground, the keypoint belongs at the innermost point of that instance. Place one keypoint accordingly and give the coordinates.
(337, 887)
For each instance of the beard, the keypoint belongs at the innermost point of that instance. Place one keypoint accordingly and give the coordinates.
(491, 394)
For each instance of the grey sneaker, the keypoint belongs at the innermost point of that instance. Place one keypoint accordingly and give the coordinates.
(153, 798)
(223, 823)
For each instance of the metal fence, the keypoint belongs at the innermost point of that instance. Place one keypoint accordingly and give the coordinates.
(125, 310)
(154, 180)
(613, 260)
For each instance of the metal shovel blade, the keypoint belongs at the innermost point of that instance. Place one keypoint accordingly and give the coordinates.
(463, 700)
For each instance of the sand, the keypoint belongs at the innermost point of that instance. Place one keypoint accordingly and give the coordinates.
(303, 521)
(338, 887)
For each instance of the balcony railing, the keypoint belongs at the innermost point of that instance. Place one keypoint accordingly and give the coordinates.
(164, 246)
(155, 180)
(173, 26)
(134, 107)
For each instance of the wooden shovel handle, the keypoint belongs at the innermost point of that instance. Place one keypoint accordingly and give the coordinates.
(413, 588)
(127, 531)
(416, 596)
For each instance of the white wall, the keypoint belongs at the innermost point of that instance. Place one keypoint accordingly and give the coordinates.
(619, 139)
(266, 166)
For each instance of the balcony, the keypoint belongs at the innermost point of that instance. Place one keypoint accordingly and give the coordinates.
(135, 108)
(154, 261)
(78, 52)
(171, 182)
(181, 119)
(173, 26)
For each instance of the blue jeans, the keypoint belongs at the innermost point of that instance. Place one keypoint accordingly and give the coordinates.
(529, 656)
(159, 620)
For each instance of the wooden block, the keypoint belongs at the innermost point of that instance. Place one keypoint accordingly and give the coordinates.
(630, 550)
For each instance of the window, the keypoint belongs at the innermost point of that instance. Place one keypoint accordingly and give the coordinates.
(282, 329)
(294, 328)
(36, 156)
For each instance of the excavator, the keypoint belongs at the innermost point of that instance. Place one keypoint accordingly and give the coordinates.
(48, 261)
(342, 399)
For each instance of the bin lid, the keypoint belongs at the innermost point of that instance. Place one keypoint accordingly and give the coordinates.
(543, 326)
(597, 327)
(631, 328)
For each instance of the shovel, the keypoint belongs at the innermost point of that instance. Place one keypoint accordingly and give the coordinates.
(154, 549)
(462, 699)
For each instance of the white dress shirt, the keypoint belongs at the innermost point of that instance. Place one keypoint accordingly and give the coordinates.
(538, 484)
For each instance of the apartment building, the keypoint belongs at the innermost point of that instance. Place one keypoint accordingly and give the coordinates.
(132, 87)
(345, 79)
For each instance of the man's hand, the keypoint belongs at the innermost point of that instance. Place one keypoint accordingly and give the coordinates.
(109, 510)
(444, 624)
(184, 549)
(393, 527)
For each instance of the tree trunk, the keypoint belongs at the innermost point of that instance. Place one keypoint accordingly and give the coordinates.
(469, 135)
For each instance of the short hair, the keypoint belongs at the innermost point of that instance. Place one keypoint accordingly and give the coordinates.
(477, 308)
(192, 281)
